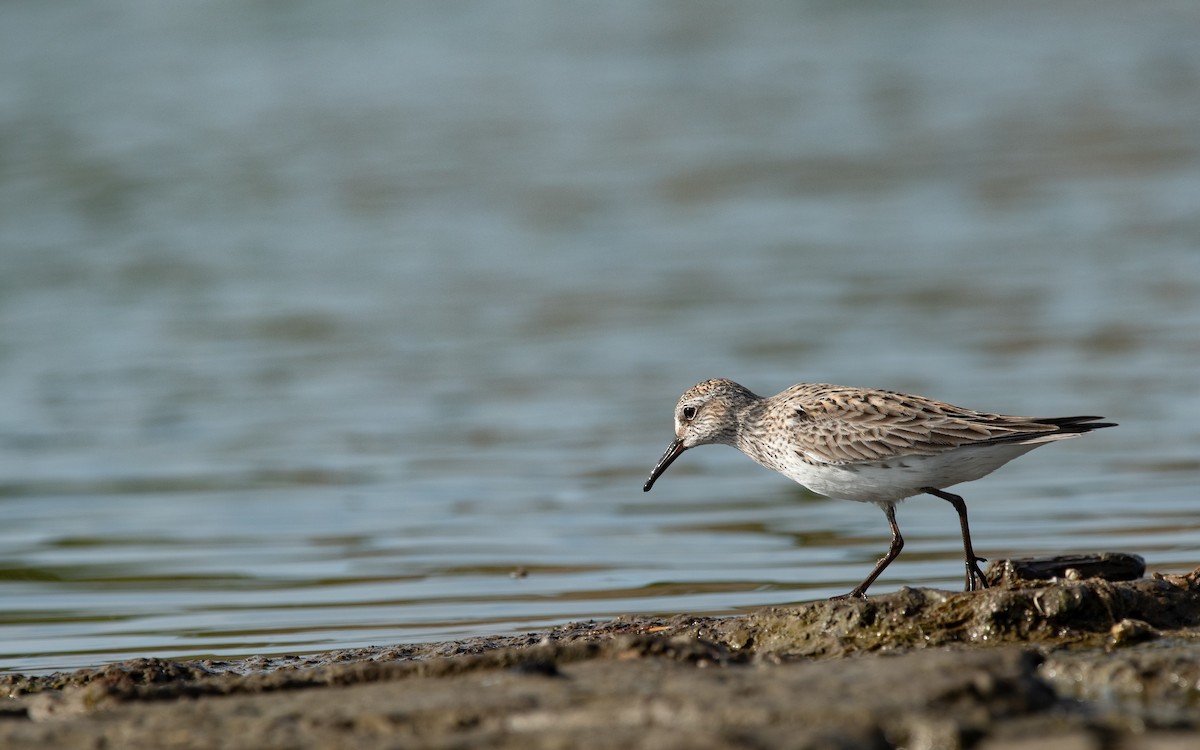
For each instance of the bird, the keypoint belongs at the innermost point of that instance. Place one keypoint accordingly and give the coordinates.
(864, 444)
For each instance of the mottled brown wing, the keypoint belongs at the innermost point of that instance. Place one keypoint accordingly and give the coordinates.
(850, 425)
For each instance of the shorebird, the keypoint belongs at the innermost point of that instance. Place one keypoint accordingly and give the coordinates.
(864, 444)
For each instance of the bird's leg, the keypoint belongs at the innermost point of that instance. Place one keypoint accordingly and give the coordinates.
(973, 572)
(860, 591)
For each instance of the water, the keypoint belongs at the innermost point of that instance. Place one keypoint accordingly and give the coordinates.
(325, 326)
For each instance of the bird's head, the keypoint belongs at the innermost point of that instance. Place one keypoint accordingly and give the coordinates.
(706, 413)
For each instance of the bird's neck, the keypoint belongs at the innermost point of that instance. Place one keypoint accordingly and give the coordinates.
(749, 429)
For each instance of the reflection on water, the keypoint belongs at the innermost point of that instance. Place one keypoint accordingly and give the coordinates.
(323, 328)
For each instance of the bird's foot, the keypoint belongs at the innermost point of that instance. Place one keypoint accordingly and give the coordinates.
(855, 594)
(975, 578)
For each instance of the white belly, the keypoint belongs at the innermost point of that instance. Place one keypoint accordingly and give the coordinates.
(901, 477)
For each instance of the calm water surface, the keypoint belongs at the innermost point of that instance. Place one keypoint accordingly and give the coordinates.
(325, 327)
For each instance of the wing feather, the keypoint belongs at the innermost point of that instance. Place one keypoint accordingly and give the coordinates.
(838, 425)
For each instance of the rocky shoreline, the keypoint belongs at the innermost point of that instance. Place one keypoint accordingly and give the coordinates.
(1067, 662)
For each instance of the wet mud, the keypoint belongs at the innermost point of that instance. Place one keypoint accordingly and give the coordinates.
(1067, 661)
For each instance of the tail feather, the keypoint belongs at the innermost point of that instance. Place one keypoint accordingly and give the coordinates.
(1076, 424)
(1065, 427)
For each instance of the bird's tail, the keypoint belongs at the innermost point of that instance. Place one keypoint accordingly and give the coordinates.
(1075, 425)
(1050, 429)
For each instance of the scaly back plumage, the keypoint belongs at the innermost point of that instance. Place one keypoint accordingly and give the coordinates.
(841, 425)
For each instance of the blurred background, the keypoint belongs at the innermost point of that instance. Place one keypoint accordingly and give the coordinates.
(327, 325)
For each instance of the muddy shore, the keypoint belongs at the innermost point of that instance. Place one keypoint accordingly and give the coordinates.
(1067, 662)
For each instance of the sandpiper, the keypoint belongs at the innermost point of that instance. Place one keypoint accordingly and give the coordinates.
(864, 444)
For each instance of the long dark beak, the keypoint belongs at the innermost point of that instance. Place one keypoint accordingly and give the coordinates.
(673, 451)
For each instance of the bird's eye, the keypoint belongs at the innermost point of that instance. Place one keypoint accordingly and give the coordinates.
(689, 413)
